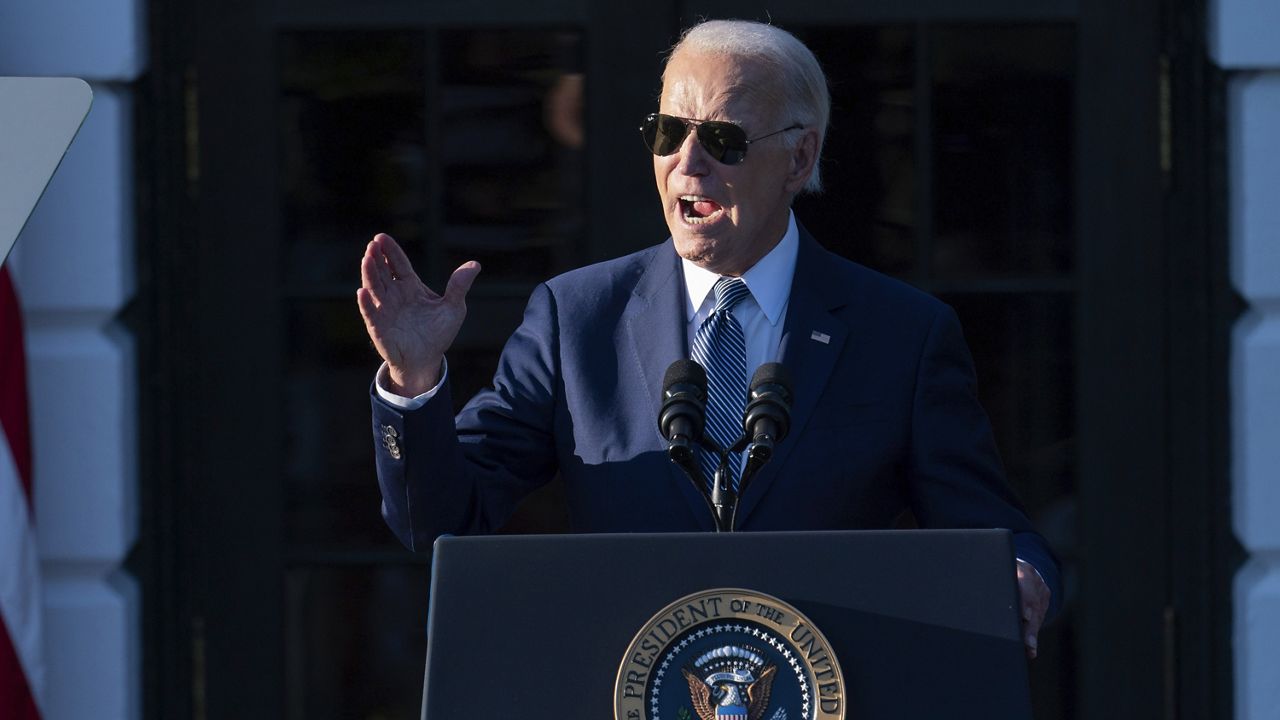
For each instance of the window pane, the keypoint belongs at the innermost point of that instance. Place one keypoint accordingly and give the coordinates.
(357, 641)
(462, 143)
(331, 490)
(352, 131)
(1022, 347)
(511, 138)
(867, 212)
(1002, 113)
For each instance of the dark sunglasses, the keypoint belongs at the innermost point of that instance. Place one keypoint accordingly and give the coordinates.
(724, 141)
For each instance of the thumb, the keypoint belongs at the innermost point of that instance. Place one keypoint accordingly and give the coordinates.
(460, 282)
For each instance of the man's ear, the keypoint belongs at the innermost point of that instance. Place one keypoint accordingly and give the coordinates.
(803, 158)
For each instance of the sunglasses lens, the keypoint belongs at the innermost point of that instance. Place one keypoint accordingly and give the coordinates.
(725, 142)
(663, 134)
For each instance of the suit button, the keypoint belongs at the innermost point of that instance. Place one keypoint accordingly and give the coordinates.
(389, 436)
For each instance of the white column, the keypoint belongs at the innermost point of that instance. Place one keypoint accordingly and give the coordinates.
(74, 269)
(1242, 40)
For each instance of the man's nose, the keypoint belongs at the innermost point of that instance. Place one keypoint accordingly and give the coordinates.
(694, 160)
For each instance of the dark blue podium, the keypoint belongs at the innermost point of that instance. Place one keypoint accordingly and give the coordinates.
(924, 623)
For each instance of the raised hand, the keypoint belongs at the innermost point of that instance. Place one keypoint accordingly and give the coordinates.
(410, 325)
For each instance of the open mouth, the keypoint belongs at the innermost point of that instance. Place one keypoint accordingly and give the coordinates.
(699, 210)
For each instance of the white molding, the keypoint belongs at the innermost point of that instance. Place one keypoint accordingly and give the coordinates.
(84, 420)
(1242, 39)
(1242, 33)
(1257, 638)
(1255, 414)
(91, 641)
(102, 40)
(1253, 128)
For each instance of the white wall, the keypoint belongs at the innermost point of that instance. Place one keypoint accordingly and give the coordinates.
(1242, 38)
(73, 265)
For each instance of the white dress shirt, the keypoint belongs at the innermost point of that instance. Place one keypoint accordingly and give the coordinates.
(761, 313)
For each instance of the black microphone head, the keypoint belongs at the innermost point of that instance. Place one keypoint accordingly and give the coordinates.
(685, 372)
(774, 373)
(684, 400)
(769, 400)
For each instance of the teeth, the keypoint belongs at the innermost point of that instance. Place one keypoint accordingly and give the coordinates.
(693, 219)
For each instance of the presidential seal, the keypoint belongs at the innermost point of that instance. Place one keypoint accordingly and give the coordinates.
(729, 654)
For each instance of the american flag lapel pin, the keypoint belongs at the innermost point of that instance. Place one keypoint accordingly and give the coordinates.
(821, 337)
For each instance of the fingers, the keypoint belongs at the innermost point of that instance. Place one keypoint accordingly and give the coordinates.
(397, 262)
(1031, 620)
(367, 307)
(1034, 596)
(385, 263)
(378, 270)
(373, 275)
(369, 312)
(460, 282)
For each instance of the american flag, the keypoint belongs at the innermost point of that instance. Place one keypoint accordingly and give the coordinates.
(21, 657)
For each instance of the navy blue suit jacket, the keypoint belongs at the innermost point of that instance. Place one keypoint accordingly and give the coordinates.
(885, 416)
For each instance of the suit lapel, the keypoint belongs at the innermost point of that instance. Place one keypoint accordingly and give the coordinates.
(655, 325)
(812, 341)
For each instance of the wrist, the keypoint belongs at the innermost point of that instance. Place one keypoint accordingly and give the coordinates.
(413, 383)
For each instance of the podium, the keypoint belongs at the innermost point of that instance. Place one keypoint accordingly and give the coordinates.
(920, 623)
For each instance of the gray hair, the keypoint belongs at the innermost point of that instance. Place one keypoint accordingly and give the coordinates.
(804, 85)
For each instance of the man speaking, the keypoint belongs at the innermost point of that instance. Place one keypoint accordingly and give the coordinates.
(885, 416)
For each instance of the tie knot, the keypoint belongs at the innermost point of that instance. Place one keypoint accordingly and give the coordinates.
(728, 292)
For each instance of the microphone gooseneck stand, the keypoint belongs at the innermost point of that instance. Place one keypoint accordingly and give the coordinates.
(723, 498)
(765, 422)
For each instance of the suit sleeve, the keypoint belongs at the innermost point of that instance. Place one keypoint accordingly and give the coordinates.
(956, 476)
(439, 474)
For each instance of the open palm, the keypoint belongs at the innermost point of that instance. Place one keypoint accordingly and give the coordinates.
(410, 325)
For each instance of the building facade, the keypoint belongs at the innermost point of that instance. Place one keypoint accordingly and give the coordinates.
(159, 547)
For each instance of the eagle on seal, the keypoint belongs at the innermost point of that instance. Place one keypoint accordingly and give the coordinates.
(720, 698)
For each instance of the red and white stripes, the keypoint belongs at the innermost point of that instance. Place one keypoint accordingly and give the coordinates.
(21, 653)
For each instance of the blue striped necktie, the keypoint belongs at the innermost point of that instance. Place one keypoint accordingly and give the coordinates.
(721, 348)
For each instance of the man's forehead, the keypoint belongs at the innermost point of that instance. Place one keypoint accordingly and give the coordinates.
(690, 99)
(704, 86)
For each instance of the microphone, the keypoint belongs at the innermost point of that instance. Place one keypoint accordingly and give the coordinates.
(683, 415)
(768, 415)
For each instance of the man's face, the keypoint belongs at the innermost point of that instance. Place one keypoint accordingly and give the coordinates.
(726, 217)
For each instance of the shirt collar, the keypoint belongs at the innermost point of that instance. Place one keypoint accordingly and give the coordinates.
(769, 280)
